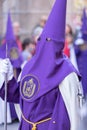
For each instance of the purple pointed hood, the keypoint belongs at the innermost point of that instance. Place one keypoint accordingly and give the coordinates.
(9, 32)
(84, 25)
(12, 49)
(49, 66)
(55, 26)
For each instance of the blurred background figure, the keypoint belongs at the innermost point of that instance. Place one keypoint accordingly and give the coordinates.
(68, 30)
(28, 49)
(28, 52)
(0, 40)
(39, 28)
(81, 56)
(42, 22)
(81, 52)
(72, 55)
(16, 29)
(69, 49)
(36, 34)
(77, 30)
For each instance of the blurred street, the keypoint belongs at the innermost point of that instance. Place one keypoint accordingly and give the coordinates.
(13, 126)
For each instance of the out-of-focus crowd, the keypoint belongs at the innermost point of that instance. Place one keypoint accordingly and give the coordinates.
(28, 45)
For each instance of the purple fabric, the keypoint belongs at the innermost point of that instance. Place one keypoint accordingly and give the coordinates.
(60, 115)
(12, 107)
(13, 112)
(49, 64)
(43, 109)
(18, 72)
(50, 105)
(9, 32)
(81, 57)
(11, 45)
(13, 91)
(84, 25)
(55, 26)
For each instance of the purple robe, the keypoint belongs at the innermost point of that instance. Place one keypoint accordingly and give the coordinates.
(10, 46)
(81, 57)
(84, 25)
(50, 105)
(12, 107)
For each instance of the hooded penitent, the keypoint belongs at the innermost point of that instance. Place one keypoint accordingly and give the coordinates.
(10, 47)
(81, 52)
(41, 102)
(49, 66)
(84, 25)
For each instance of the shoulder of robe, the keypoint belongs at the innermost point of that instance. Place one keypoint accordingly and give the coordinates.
(71, 85)
(71, 78)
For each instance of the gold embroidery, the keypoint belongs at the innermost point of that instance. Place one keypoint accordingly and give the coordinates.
(29, 88)
(14, 53)
(23, 89)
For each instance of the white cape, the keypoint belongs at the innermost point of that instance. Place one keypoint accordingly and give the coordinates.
(71, 91)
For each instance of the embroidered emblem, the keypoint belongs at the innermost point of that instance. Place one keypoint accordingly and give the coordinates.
(29, 87)
(14, 54)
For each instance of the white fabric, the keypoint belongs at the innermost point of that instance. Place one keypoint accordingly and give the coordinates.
(10, 71)
(6, 68)
(18, 111)
(23, 64)
(2, 79)
(69, 88)
(9, 120)
(79, 41)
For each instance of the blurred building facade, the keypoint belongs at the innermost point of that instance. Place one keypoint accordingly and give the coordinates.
(1, 17)
(28, 12)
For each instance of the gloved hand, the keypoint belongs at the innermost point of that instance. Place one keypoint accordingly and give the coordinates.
(2, 79)
(3, 71)
(6, 68)
(10, 74)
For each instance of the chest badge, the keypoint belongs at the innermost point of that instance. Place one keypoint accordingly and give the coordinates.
(14, 54)
(29, 87)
